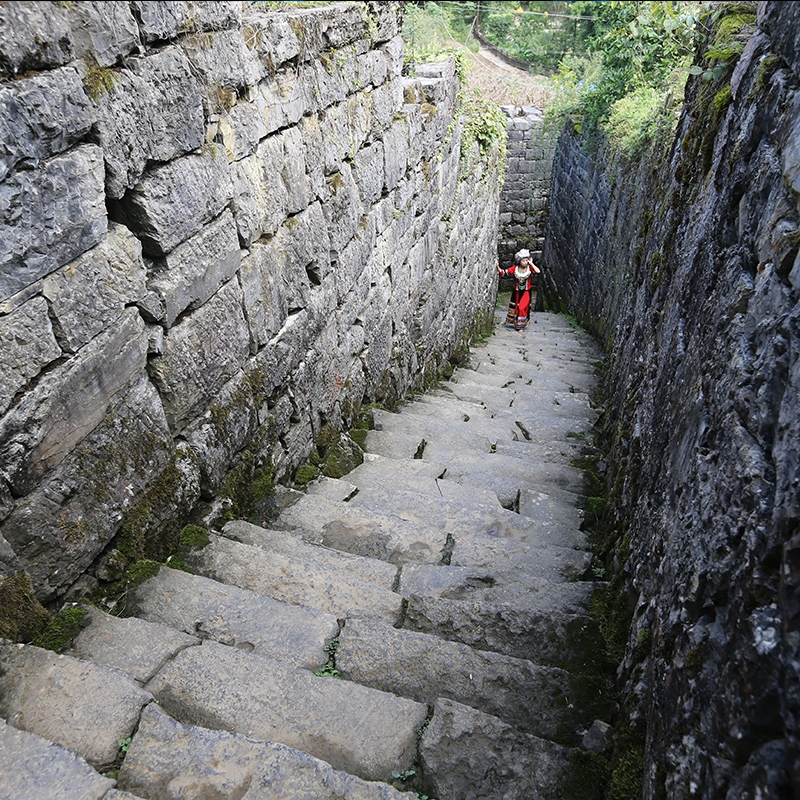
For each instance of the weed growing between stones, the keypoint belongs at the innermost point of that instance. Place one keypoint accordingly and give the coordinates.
(328, 669)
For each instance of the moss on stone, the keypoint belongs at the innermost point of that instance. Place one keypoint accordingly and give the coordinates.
(62, 629)
(139, 536)
(585, 777)
(194, 537)
(305, 474)
(22, 617)
(627, 775)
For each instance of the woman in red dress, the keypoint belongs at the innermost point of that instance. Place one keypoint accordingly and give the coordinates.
(519, 308)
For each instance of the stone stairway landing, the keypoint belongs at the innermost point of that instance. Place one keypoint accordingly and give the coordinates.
(419, 626)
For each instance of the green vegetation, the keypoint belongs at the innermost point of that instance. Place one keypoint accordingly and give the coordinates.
(22, 617)
(328, 670)
(62, 629)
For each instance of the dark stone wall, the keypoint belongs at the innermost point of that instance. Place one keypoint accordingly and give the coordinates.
(685, 264)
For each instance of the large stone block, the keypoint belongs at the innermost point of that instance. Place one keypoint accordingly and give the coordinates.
(41, 117)
(228, 426)
(355, 259)
(191, 273)
(153, 111)
(369, 165)
(396, 153)
(217, 58)
(242, 129)
(103, 32)
(69, 402)
(59, 529)
(200, 354)
(160, 21)
(272, 42)
(35, 36)
(342, 209)
(27, 344)
(264, 293)
(222, 764)
(50, 215)
(174, 201)
(91, 292)
(86, 707)
(269, 185)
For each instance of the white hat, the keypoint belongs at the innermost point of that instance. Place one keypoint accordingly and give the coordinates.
(522, 254)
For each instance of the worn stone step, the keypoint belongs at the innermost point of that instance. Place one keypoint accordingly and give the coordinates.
(495, 402)
(570, 380)
(468, 754)
(553, 520)
(544, 701)
(294, 580)
(498, 380)
(132, 645)
(510, 555)
(541, 478)
(378, 472)
(236, 617)
(84, 706)
(512, 587)
(357, 729)
(553, 454)
(354, 528)
(482, 436)
(345, 527)
(372, 570)
(34, 768)
(549, 637)
(167, 758)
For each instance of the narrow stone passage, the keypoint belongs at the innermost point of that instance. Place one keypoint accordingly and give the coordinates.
(443, 582)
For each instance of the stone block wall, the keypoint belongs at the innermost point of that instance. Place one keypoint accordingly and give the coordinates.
(685, 262)
(523, 200)
(221, 230)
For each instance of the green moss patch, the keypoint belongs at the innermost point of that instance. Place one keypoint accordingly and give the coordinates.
(22, 616)
(62, 629)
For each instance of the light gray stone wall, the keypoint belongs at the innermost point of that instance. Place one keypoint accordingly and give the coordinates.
(220, 230)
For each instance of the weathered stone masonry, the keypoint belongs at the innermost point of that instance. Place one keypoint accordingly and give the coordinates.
(686, 264)
(220, 231)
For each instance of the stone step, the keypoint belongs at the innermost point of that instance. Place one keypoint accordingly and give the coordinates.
(294, 580)
(89, 708)
(424, 667)
(169, 760)
(551, 521)
(34, 768)
(345, 527)
(496, 401)
(130, 644)
(371, 570)
(492, 377)
(565, 379)
(469, 754)
(510, 587)
(236, 617)
(482, 435)
(553, 454)
(413, 538)
(357, 729)
(377, 472)
(548, 637)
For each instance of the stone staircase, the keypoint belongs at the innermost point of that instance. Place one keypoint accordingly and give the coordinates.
(442, 582)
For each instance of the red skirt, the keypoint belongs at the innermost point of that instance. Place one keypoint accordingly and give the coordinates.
(519, 308)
